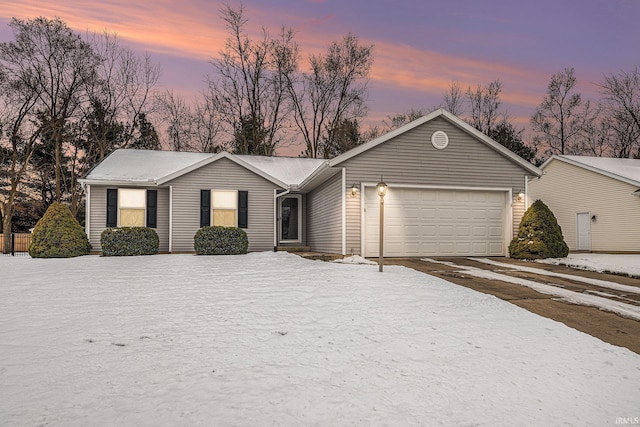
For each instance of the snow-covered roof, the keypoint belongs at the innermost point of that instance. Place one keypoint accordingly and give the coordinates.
(626, 170)
(292, 170)
(142, 167)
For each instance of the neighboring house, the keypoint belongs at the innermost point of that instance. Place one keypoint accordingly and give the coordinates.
(451, 191)
(595, 199)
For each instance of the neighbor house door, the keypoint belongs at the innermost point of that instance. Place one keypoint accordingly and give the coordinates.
(583, 231)
(290, 219)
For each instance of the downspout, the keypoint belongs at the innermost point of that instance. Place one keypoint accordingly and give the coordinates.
(344, 211)
(526, 192)
(170, 218)
(275, 214)
(87, 210)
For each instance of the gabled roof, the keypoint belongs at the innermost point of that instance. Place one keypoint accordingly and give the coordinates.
(456, 121)
(146, 167)
(625, 170)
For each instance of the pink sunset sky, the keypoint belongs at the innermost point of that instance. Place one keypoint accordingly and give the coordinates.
(419, 46)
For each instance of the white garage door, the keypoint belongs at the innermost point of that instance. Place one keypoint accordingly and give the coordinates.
(421, 222)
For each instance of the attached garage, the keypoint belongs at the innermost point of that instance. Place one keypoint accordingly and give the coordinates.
(437, 222)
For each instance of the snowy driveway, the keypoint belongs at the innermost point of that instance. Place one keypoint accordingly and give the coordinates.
(273, 339)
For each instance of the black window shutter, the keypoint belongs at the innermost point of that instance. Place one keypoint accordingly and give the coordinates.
(112, 207)
(152, 208)
(205, 208)
(243, 209)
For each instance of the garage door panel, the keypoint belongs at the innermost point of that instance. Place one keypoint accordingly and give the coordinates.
(422, 222)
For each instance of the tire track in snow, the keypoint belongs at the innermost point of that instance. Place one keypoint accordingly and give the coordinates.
(620, 308)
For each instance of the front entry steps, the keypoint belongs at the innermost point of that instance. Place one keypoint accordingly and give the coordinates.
(293, 248)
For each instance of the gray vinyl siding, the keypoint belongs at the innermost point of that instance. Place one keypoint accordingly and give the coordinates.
(568, 190)
(324, 217)
(222, 175)
(98, 215)
(519, 207)
(411, 159)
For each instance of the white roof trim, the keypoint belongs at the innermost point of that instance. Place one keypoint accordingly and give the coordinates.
(592, 169)
(452, 119)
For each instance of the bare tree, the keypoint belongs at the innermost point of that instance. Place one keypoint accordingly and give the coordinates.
(453, 99)
(178, 117)
(18, 141)
(120, 92)
(400, 119)
(333, 91)
(621, 95)
(484, 103)
(249, 87)
(559, 119)
(55, 62)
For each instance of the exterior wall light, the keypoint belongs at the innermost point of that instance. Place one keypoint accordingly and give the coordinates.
(381, 188)
(354, 190)
(520, 195)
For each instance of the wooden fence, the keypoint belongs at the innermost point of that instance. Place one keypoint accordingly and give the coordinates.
(20, 242)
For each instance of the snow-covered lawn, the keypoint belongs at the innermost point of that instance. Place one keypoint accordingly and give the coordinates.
(273, 339)
(613, 263)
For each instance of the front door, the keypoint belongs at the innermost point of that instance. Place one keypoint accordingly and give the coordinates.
(583, 231)
(290, 219)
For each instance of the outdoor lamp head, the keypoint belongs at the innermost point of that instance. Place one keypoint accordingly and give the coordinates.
(381, 188)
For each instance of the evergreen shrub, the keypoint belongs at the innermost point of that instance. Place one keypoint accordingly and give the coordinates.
(129, 241)
(220, 241)
(539, 235)
(58, 235)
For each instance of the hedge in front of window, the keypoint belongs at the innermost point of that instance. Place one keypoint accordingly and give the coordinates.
(220, 241)
(129, 241)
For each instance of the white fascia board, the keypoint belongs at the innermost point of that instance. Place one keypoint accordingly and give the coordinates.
(218, 156)
(592, 169)
(119, 183)
(319, 170)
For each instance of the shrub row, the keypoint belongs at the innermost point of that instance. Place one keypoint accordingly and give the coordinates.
(129, 241)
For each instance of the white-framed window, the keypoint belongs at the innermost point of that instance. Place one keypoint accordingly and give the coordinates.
(131, 207)
(224, 208)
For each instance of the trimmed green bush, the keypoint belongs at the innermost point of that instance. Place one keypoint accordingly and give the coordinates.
(58, 235)
(539, 235)
(129, 241)
(220, 241)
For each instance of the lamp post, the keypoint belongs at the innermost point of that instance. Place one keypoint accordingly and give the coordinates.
(381, 188)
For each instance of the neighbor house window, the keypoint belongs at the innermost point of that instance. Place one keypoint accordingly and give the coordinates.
(129, 207)
(225, 208)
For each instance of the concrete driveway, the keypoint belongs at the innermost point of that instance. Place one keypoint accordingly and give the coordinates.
(607, 326)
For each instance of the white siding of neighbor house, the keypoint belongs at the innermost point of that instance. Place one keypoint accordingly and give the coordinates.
(98, 215)
(567, 190)
(222, 174)
(411, 159)
(324, 216)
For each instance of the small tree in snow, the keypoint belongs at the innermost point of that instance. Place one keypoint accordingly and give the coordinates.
(539, 235)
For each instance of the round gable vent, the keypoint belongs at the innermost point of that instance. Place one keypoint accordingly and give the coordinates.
(440, 140)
